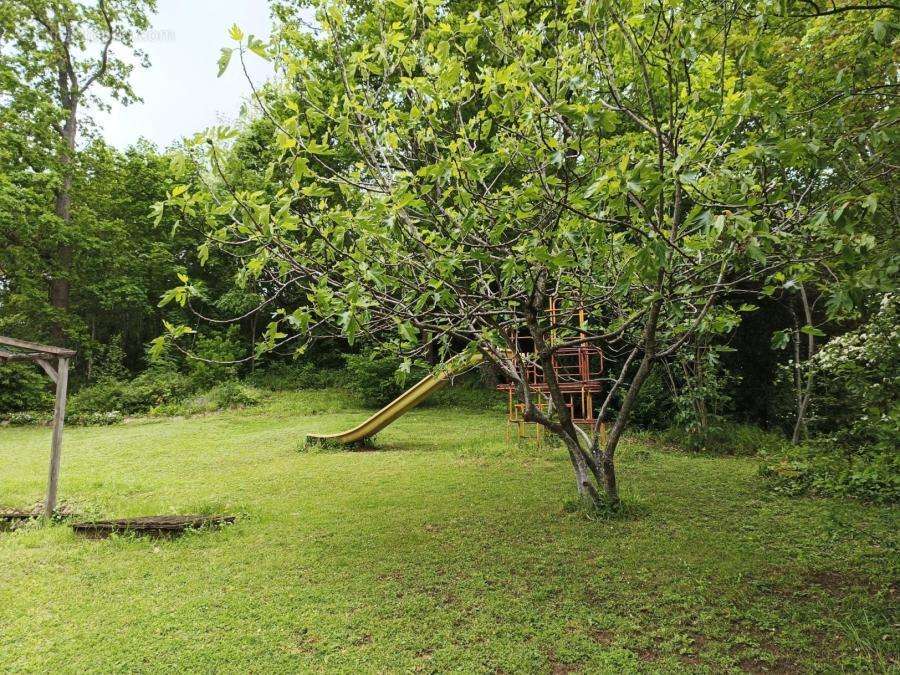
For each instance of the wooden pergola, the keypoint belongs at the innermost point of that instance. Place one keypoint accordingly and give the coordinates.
(44, 355)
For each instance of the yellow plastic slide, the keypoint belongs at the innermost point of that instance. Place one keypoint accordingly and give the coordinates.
(400, 405)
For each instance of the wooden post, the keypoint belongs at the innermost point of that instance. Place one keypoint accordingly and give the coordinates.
(59, 416)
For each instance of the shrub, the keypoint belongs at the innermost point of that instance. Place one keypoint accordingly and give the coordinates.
(701, 392)
(151, 388)
(229, 394)
(858, 381)
(377, 380)
(217, 346)
(95, 419)
(109, 360)
(23, 387)
(233, 394)
(469, 391)
(822, 470)
(654, 408)
(27, 418)
(374, 379)
(857, 415)
(100, 397)
(726, 438)
(293, 376)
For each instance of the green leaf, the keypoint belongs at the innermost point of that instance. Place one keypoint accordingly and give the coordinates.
(316, 191)
(157, 347)
(870, 203)
(408, 332)
(258, 47)
(224, 60)
(318, 148)
(286, 142)
(780, 339)
(236, 33)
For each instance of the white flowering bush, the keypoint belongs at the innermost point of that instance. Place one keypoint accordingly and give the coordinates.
(859, 375)
(856, 418)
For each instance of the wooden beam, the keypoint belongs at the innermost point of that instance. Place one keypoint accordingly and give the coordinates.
(59, 416)
(22, 356)
(34, 346)
(49, 369)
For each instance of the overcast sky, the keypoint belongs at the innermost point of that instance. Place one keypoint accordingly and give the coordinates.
(181, 92)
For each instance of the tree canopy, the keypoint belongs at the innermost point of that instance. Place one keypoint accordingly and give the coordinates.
(443, 171)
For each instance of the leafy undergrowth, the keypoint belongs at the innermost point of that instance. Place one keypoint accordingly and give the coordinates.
(446, 549)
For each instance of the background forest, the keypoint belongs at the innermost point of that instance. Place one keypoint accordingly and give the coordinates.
(104, 250)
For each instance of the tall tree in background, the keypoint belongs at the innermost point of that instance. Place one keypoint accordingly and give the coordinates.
(61, 55)
(834, 159)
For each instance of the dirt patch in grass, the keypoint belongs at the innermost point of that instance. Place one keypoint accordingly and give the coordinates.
(839, 584)
(303, 643)
(777, 662)
(603, 637)
(560, 668)
(698, 643)
(648, 655)
(781, 666)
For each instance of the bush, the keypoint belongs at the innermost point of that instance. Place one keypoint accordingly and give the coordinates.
(27, 418)
(229, 394)
(109, 360)
(374, 379)
(43, 418)
(726, 438)
(233, 394)
(96, 419)
(375, 382)
(24, 387)
(469, 391)
(857, 406)
(151, 388)
(823, 470)
(218, 346)
(293, 376)
(654, 408)
(857, 414)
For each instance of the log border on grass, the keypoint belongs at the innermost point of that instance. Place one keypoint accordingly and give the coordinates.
(154, 526)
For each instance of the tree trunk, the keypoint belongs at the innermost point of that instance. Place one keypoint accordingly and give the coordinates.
(59, 282)
(253, 320)
(610, 485)
(89, 360)
(804, 392)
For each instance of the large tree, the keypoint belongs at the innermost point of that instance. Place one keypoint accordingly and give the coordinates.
(600, 155)
(60, 56)
(834, 157)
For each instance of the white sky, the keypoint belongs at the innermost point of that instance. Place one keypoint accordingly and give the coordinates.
(181, 92)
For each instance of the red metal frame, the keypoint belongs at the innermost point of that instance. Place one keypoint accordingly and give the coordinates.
(578, 372)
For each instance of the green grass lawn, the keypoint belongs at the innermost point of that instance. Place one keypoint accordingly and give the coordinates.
(441, 550)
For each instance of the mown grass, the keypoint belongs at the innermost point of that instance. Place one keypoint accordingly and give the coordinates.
(443, 549)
